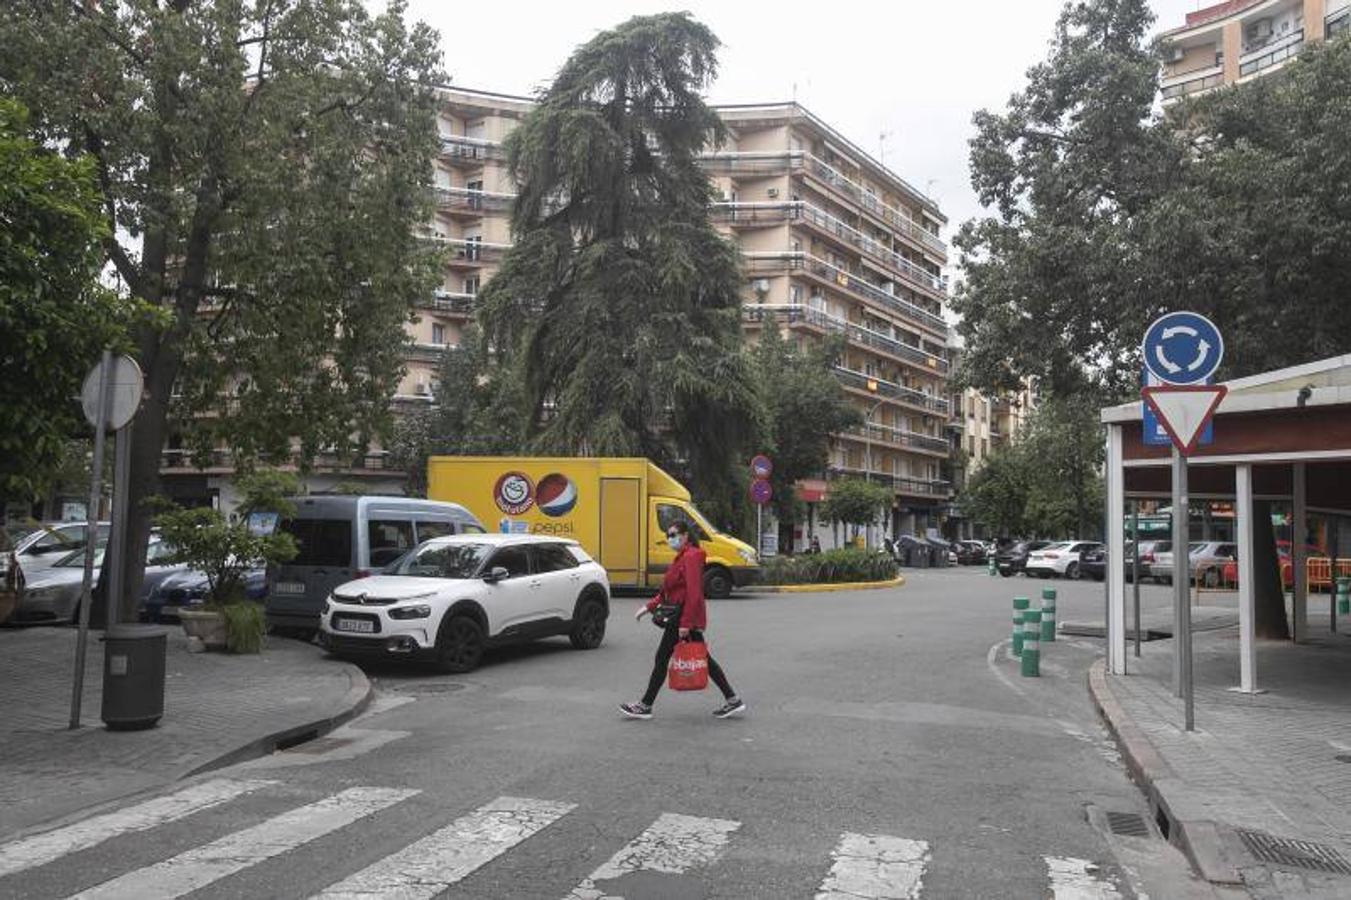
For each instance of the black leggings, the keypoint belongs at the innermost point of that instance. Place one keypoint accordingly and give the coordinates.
(669, 638)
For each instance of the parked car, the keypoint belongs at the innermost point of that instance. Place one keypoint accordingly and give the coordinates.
(1146, 559)
(453, 597)
(1208, 560)
(1229, 572)
(1059, 559)
(970, 553)
(1093, 563)
(39, 549)
(54, 596)
(341, 538)
(187, 589)
(1012, 559)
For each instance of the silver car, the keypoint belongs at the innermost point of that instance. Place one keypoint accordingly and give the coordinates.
(54, 596)
(40, 549)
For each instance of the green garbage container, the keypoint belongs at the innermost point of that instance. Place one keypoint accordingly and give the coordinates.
(133, 676)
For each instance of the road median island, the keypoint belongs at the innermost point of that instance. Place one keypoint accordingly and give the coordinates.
(829, 587)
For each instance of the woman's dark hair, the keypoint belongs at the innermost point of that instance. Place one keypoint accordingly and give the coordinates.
(684, 528)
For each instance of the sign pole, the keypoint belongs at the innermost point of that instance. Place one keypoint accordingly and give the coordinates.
(1135, 570)
(117, 541)
(1181, 588)
(759, 528)
(105, 385)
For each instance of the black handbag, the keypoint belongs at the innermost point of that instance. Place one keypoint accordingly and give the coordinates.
(665, 613)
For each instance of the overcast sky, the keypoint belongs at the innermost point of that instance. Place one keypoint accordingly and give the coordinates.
(914, 72)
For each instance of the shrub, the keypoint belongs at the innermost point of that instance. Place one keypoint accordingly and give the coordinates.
(245, 626)
(831, 567)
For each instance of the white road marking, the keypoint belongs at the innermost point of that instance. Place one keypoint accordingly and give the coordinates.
(429, 866)
(990, 658)
(673, 844)
(1077, 879)
(235, 852)
(875, 867)
(43, 848)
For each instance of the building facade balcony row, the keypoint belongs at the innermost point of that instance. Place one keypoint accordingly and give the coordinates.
(874, 386)
(854, 332)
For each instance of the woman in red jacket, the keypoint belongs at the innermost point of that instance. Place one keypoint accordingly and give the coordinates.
(683, 586)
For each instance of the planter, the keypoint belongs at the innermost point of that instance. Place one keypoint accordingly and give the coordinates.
(206, 625)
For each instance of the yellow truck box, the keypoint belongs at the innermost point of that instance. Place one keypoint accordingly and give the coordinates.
(617, 509)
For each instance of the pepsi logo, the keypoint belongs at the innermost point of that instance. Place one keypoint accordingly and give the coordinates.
(556, 495)
(514, 493)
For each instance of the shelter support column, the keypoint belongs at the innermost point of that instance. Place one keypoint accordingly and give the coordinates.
(1298, 556)
(1116, 553)
(1247, 594)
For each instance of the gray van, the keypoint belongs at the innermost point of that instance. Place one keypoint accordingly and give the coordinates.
(342, 538)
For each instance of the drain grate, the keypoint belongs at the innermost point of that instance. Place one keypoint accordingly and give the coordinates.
(1343, 757)
(1128, 824)
(428, 687)
(1293, 853)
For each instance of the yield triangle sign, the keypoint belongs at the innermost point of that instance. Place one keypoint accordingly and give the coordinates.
(1184, 410)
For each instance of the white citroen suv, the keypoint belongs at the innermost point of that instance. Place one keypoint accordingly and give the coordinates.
(450, 598)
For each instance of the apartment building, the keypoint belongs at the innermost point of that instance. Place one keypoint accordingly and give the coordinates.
(980, 425)
(1239, 40)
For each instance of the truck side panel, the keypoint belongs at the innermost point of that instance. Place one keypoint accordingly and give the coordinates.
(621, 527)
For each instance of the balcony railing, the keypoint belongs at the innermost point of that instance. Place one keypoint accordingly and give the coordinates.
(848, 234)
(180, 460)
(864, 288)
(753, 162)
(901, 438)
(449, 302)
(458, 199)
(1195, 82)
(870, 201)
(1272, 54)
(854, 332)
(770, 213)
(860, 381)
(424, 352)
(457, 148)
(473, 252)
(902, 484)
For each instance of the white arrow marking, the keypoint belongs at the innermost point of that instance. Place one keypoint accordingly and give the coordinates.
(1202, 351)
(1179, 329)
(1164, 360)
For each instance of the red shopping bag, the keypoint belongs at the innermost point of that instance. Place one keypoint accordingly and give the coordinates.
(688, 669)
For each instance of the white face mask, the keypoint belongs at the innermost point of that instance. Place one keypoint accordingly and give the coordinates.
(674, 541)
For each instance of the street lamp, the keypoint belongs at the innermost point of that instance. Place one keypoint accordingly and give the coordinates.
(868, 451)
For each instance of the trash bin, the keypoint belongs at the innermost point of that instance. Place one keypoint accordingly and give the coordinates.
(133, 676)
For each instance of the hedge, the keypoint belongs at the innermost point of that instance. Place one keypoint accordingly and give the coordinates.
(832, 567)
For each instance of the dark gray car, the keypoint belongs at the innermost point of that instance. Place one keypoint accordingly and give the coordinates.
(343, 538)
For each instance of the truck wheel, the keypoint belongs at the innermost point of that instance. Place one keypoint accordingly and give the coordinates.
(718, 583)
(588, 628)
(459, 646)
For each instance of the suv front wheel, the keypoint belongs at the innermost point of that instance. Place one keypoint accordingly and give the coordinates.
(459, 645)
(588, 628)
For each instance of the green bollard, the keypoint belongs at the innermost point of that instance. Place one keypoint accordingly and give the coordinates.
(990, 569)
(1344, 596)
(1019, 605)
(1048, 614)
(1031, 645)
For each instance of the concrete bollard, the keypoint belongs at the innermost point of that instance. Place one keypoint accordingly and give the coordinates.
(1031, 657)
(1019, 605)
(991, 568)
(1048, 614)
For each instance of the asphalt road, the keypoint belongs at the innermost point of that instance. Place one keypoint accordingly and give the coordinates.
(891, 749)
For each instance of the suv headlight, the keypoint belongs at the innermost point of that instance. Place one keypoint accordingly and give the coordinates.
(421, 611)
(749, 557)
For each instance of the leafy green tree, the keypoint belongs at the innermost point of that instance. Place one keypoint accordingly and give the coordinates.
(1063, 445)
(997, 493)
(619, 301)
(856, 502)
(804, 405)
(266, 168)
(478, 409)
(55, 317)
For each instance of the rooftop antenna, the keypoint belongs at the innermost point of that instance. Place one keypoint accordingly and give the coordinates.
(882, 147)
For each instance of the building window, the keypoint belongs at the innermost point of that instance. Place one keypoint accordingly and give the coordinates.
(471, 285)
(438, 334)
(795, 294)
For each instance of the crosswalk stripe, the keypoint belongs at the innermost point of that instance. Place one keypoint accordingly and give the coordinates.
(1077, 879)
(432, 864)
(238, 851)
(40, 849)
(672, 844)
(875, 867)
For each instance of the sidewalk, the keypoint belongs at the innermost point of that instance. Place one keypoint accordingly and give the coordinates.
(218, 709)
(1276, 763)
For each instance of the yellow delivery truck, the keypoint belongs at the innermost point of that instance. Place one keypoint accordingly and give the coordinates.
(617, 509)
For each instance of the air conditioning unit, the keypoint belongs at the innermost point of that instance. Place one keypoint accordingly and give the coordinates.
(1175, 54)
(760, 285)
(1260, 30)
(422, 390)
(772, 193)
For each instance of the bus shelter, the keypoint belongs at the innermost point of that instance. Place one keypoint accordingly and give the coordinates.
(1284, 436)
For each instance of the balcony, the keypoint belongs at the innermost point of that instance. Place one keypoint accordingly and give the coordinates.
(472, 254)
(755, 214)
(902, 484)
(460, 150)
(899, 437)
(897, 218)
(464, 201)
(842, 278)
(846, 233)
(772, 162)
(856, 334)
(454, 304)
(1193, 82)
(1272, 54)
(428, 353)
(859, 381)
(222, 461)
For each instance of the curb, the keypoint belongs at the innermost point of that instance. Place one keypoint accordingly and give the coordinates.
(354, 702)
(898, 581)
(1200, 840)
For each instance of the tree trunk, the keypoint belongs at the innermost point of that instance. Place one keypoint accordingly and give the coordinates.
(1268, 590)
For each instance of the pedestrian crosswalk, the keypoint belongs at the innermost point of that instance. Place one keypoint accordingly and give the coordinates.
(861, 866)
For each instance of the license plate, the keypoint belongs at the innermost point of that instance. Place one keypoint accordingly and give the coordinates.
(361, 626)
(289, 587)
